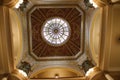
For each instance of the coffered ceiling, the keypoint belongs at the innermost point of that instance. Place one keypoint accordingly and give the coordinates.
(39, 48)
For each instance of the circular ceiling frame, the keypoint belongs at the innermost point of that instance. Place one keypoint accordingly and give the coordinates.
(55, 32)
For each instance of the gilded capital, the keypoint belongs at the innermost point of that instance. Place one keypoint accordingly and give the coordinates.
(101, 3)
(16, 75)
(95, 74)
(9, 3)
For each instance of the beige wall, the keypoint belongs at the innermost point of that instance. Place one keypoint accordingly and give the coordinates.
(104, 37)
(114, 62)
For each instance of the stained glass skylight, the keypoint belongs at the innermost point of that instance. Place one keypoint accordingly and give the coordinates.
(56, 31)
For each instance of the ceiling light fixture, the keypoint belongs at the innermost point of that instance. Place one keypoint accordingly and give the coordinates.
(24, 68)
(89, 71)
(86, 65)
(56, 75)
(90, 4)
(18, 3)
(24, 5)
(94, 4)
(22, 72)
(21, 4)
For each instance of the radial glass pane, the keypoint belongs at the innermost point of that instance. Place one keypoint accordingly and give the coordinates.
(56, 31)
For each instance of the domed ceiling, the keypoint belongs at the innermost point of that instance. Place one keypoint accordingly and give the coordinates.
(39, 47)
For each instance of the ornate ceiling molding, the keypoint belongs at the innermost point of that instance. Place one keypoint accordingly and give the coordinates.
(37, 15)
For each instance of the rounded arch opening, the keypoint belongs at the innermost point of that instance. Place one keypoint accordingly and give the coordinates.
(51, 72)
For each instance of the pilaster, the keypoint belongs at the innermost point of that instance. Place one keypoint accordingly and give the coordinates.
(6, 60)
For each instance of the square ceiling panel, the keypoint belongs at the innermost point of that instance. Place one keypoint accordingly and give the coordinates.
(55, 32)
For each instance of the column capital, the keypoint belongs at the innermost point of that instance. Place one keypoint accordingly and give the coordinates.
(16, 75)
(101, 3)
(9, 3)
(95, 74)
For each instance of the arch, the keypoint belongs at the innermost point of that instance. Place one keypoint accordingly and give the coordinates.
(16, 35)
(56, 70)
(95, 35)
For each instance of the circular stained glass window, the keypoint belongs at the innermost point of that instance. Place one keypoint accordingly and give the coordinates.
(56, 31)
